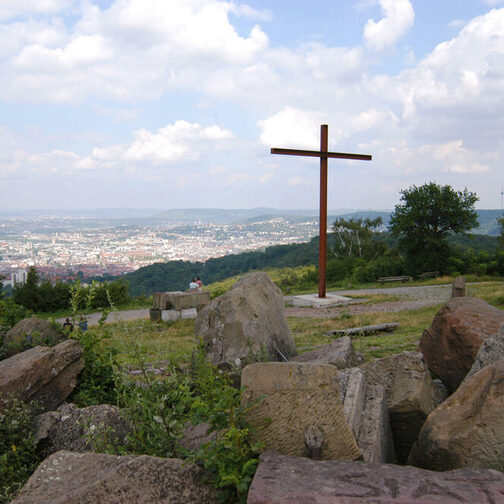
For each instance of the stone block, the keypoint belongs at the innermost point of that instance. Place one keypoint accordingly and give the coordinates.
(353, 387)
(411, 395)
(467, 429)
(190, 313)
(44, 374)
(170, 315)
(179, 300)
(340, 353)
(458, 287)
(289, 399)
(375, 435)
(490, 351)
(281, 479)
(155, 315)
(459, 328)
(90, 478)
(247, 323)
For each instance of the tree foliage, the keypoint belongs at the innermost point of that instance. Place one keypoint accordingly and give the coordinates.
(501, 233)
(43, 296)
(356, 238)
(424, 219)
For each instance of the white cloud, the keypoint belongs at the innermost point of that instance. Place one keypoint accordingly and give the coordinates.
(244, 10)
(181, 142)
(398, 19)
(134, 49)
(11, 9)
(292, 128)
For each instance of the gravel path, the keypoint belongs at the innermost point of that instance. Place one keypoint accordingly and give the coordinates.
(411, 298)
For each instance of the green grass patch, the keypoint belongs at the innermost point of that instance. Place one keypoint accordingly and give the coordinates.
(163, 341)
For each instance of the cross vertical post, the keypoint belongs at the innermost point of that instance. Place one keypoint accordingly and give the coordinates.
(323, 154)
(323, 213)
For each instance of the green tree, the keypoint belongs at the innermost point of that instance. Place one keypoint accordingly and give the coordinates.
(501, 237)
(28, 294)
(424, 219)
(356, 238)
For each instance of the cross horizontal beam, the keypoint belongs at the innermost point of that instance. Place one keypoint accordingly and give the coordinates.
(309, 153)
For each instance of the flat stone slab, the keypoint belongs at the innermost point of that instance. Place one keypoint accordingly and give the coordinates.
(282, 479)
(292, 399)
(316, 302)
(340, 353)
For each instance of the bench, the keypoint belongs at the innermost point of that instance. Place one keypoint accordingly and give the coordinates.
(429, 274)
(382, 280)
(177, 304)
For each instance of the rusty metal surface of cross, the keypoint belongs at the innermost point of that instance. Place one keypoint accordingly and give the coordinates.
(323, 154)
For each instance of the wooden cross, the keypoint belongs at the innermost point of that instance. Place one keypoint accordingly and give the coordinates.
(323, 154)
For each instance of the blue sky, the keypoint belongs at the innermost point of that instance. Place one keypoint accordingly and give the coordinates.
(176, 103)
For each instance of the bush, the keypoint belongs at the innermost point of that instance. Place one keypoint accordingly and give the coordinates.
(96, 384)
(388, 265)
(11, 313)
(18, 456)
(159, 409)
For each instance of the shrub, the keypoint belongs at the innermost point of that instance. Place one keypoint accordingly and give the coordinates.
(11, 313)
(18, 456)
(96, 384)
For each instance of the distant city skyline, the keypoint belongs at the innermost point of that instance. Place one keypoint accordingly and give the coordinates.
(150, 104)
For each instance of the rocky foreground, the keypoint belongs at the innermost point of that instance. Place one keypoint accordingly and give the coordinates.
(336, 430)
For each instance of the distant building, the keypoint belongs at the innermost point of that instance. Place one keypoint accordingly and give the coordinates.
(18, 277)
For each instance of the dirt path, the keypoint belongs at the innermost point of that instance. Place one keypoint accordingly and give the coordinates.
(410, 298)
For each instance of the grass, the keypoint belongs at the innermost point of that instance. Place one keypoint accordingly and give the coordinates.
(174, 341)
(309, 333)
(171, 342)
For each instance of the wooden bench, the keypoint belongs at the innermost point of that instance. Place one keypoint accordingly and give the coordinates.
(382, 280)
(429, 274)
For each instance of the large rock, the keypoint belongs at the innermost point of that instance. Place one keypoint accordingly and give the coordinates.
(294, 400)
(80, 429)
(459, 328)
(491, 350)
(28, 333)
(247, 323)
(411, 395)
(367, 415)
(43, 374)
(88, 478)
(340, 353)
(294, 480)
(468, 428)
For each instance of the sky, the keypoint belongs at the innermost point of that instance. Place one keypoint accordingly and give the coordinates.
(176, 103)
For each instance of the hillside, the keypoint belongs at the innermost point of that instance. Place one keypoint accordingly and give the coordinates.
(176, 275)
